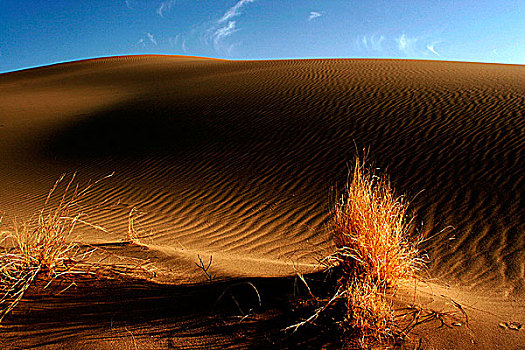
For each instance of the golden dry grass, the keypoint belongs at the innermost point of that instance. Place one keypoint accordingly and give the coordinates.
(41, 246)
(134, 234)
(371, 230)
(375, 251)
(369, 315)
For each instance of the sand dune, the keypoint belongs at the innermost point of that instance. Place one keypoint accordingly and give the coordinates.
(239, 159)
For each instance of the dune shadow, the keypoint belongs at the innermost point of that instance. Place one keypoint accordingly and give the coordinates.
(146, 127)
(245, 313)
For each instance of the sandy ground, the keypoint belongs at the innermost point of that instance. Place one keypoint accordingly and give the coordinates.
(241, 161)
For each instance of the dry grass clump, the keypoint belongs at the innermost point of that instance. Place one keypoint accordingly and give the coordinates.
(369, 311)
(375, 251)
(41, 247)
(371, 230)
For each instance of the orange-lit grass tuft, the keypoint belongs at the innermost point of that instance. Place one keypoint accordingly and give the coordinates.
(369, 315)
(375, 251)
(372, 232)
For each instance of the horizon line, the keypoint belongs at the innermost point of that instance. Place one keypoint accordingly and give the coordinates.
(94, 58)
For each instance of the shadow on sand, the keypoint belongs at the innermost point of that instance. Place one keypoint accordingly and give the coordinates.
(236, 313)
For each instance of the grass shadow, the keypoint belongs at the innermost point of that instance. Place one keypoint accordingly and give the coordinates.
(226, 313)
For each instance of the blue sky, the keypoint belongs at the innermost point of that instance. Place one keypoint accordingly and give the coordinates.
(34, 33)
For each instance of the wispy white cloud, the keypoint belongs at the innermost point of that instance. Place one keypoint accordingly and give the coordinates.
(431, 48)
(418, 46)
(224, 27)
(151, 38)
(174, 40)
(224, 32)
(129, 4)
(406, 44)
(314, 15)
(165, 6)
(402, 45)
(372, 42)
(179, 41)
(231, 47)
(234, 11)
(147, 38)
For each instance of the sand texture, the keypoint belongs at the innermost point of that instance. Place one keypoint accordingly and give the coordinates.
(242, 160)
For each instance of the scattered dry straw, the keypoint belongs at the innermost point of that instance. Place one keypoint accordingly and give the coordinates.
(42, 246)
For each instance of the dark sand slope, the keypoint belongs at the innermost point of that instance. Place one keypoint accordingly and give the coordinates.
(237, 159)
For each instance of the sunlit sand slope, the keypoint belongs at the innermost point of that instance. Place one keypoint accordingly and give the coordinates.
(239, 159)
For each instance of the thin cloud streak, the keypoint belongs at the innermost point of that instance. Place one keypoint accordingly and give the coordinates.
(151, 38)
(223, 32)
(406, 44)
(225, 26)
(234, 11)
(148, 38)
(179, 40)
(402, 45)
(314, 15)
(431, 49)
(165, 6)
(371, 43)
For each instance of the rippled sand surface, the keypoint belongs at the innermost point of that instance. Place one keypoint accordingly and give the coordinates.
(241, 160)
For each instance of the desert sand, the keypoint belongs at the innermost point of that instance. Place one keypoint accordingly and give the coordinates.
(241, 161)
